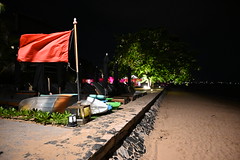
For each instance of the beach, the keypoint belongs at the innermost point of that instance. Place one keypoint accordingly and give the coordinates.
(194, 126)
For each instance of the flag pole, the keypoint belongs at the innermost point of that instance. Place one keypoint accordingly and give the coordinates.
(76, 57)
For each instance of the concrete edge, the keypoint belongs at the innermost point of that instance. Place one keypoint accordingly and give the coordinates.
(115, 142)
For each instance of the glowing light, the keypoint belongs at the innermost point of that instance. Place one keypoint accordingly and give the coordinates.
(146, 87)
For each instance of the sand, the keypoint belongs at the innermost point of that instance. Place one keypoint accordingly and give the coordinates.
(191, 126)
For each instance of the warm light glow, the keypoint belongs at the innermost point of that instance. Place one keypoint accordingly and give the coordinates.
(146, 87)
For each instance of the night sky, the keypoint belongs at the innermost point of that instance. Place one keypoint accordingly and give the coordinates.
(209, 27)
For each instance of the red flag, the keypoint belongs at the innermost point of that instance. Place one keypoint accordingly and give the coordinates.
(44, 47)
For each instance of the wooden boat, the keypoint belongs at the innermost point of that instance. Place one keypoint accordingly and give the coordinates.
(49, 103)
(61, 102)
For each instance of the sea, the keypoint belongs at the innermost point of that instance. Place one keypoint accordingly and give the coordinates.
(223, 91)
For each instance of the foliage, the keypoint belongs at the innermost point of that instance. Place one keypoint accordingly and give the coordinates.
(8, 45)
(156, 54)
(2, 7)
(26, 114)
(58, 118)
(42, 117)
(38, 116)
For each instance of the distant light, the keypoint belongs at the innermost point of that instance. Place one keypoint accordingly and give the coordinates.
(12, 47)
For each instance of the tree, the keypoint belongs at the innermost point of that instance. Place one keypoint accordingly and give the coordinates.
(8, 45)
(2, 7)
(4, 44)
(155, 54)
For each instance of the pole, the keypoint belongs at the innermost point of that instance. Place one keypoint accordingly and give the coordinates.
(105, 73)
(129, 76)
(76, 57)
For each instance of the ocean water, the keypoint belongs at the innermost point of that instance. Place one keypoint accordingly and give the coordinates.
(230, 93)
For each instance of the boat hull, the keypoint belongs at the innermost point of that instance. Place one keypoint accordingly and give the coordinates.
(97, 106)
(48, 103)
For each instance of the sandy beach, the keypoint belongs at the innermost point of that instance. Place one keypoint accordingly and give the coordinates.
(191, 126)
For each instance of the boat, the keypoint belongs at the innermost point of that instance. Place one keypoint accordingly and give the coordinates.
(107, 100)
(97, 106)
(61, 102)
(115, 105)
(49, 103)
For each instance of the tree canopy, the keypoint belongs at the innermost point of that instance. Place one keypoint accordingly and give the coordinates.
(8, 46)
(155, 54)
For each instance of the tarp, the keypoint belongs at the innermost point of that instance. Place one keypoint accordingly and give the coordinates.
(44, 47)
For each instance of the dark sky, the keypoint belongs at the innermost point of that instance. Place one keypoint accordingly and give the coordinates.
(210, 27)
